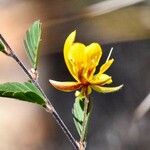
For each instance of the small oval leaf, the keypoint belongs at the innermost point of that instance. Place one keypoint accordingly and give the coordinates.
(22, 91)
(32, 42)
(78, 116)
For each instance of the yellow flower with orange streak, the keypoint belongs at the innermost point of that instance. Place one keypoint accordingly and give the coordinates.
(81, 62)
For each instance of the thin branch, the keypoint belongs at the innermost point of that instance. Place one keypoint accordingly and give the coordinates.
(86, 105)
(49, 107)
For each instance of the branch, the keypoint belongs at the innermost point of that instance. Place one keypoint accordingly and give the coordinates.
(83, 136)
(49, 107)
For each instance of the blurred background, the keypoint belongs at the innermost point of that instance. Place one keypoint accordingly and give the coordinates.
(118, 120)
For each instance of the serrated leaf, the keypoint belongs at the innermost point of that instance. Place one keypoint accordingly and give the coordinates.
(78, 116)
(22, 91)
(32, 41)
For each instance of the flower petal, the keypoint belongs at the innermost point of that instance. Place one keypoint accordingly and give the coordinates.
(65, 86)
(106, 89)
(101, 79)
(68, 43)
(106, 66)
(76, 56)
(93, 53)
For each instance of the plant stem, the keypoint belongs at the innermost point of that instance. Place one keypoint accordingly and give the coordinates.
(83, 138)
(49, 107)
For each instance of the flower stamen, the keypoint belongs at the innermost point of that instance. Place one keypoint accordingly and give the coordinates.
(109, 54)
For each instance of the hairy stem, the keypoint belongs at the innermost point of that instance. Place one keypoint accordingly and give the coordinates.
(83, 138)
(49, 107)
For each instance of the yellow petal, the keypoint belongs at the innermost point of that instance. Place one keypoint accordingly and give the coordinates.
(93, 53)
(106, 66)
(68, 43)
(106, 89)
(65, 86)
(101, 79)
(76, 56)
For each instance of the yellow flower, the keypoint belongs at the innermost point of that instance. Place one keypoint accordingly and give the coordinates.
(81, 62)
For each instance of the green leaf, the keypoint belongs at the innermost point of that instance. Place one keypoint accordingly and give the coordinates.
(22, 91)
(78, 116)
(2, 48)
(32, 41)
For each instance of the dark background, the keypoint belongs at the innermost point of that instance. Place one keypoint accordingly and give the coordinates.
(112, 126)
